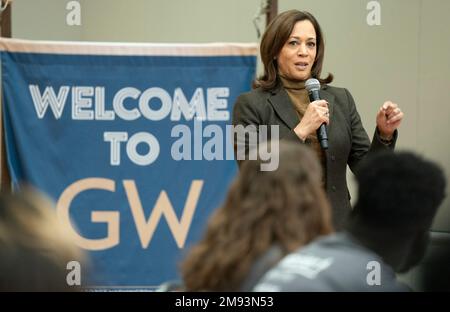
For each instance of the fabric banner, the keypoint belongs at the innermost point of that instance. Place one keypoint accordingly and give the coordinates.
(132, 142)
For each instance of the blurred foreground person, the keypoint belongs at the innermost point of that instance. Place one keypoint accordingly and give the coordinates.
(266, 215)
(34, 248)
(387, 232)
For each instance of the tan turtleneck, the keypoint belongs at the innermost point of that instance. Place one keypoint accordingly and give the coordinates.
(300, 99)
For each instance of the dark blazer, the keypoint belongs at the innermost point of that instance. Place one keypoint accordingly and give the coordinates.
(348, 141)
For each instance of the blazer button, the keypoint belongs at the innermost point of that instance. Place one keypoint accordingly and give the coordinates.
(333, 188)
(333, 158)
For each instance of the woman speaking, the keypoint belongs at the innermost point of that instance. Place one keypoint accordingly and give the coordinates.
(292, 51)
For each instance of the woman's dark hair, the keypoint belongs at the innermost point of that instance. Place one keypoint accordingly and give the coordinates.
(286, 207)
(273, 40)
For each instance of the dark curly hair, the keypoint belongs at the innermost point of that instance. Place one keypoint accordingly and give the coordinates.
(398, 190)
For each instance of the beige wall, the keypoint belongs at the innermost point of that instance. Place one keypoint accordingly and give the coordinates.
(433, 111)
(170, 20)
(42, 20)
(405, 59)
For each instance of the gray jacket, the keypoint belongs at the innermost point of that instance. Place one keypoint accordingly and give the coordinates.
(334, 263)
(348, 141)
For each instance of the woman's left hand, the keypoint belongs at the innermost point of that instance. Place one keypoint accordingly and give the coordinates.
(389, 118)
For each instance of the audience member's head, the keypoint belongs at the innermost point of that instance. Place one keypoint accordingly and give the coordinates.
(34, 248)
(286, 207)
(398, 196)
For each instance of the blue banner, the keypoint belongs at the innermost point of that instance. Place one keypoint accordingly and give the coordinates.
(131, 141)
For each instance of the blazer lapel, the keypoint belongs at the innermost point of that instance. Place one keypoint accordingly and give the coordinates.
(331, 99)
(283, 106)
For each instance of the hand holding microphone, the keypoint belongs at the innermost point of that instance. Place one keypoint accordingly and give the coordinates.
(316, 115)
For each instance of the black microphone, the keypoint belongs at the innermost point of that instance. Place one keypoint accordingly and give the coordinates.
(313, 87)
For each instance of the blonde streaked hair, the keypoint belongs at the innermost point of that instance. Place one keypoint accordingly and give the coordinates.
(29, 226)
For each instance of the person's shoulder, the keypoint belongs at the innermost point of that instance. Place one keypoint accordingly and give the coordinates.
(342, 95)
(305, 269)
(254, 100)
(337, 91)
(254, 93)
(331, 263)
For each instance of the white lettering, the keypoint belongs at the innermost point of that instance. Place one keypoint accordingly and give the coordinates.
(374, 16)
(215, 103)
(374, 276)
(88, 103)
(100, 112)
(195, 107)
(163, 111)
(119, 107)
(115, 138)
(151, 141)
(79, 103)
(73, 278)
(73, 18)
(41, 102)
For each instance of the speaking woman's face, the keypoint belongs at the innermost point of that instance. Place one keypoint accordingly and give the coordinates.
(298, 54)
